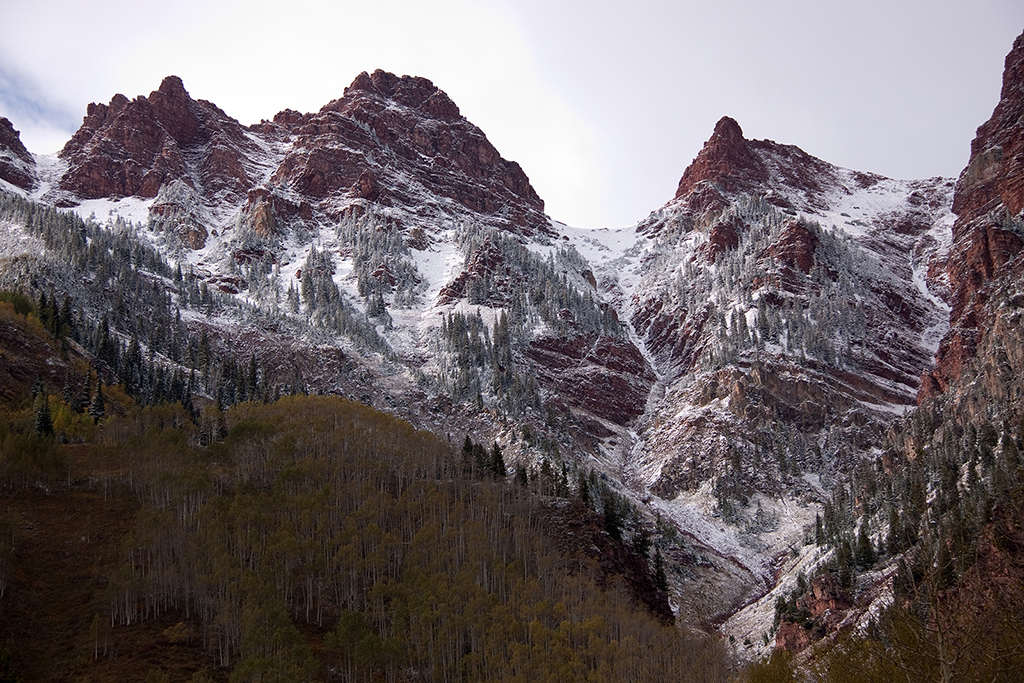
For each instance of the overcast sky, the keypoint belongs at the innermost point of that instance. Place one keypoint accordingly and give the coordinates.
(604, 104)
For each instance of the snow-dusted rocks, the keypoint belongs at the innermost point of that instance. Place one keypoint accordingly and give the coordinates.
(784, 304)
(17, 166)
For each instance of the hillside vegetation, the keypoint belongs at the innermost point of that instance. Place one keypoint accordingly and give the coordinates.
(312, 538)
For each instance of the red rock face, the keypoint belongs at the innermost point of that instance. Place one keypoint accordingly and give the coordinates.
(729, 165)
(723, 237)
(16, 164)
(387, 140)
(133, 148)
(726, 159)
(795, 248)
(607, 377)
(827, 604)
(989, 196)
(793, 637)
(390, 141)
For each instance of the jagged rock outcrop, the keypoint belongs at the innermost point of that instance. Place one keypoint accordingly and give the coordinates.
(729, 165)
(392, 142)
(989, 231)
(17, 166)
(186, 154)
(399, 142)
(135, 147)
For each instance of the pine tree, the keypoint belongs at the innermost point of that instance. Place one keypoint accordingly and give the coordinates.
(37, 386)
(69, 394)
(612, 513)
(44, 422)
(497, 462)
(583, 489)
(642, 542)
(844, 560)
(894, 543)
(865, 551)
(84, 395)
(97, 408)
(660, 579)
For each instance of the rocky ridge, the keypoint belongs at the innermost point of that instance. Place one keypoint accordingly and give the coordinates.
(389, 141)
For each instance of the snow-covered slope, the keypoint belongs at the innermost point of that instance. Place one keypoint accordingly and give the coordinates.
(788, 309)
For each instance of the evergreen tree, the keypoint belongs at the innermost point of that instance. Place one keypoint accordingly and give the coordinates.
(69, 394)
(642, 542)
(497, 461)
(84, 395)
(844, 560)
(660, 579)
(97, 408)
(865, 551)
(612, 513)
(43, 422)
(583, 489)
(467, 455)
(37, 386)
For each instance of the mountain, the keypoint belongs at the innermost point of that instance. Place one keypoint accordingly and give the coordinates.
(393, 142)
(788, 308)
(741, 370)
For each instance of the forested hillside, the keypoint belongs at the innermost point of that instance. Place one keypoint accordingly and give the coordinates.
(307, 538)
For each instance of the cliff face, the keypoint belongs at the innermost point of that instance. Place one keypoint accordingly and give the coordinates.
(397, 142)
(988, 234)
(17, 166)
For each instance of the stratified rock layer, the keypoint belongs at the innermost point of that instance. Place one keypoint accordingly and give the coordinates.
(988, 234)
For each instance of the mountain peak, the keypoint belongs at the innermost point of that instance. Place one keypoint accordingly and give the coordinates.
(172, 86)
(727, 128)
(414, 92)
(726, 159)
